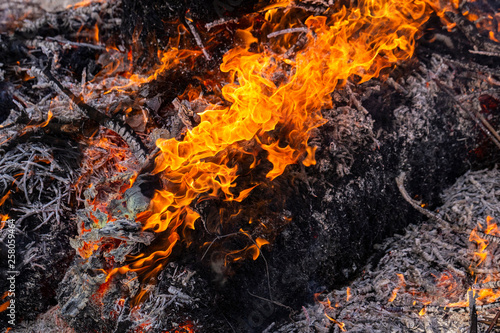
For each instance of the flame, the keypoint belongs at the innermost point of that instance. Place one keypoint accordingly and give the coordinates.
(85, 3)
(96, 34)
(341, 325)
(460, 304)
(43, 124)
(3, 220)
(395, 291)
(276, 115)
(481, 243)
(485, 295)
(482, 295)
(4, 198)
(4, 306)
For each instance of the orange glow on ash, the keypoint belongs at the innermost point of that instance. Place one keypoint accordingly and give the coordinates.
(183, 328)
(482, 255)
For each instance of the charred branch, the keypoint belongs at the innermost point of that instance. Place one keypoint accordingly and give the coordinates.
(135, 143)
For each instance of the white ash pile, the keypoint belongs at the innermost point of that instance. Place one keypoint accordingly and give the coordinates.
(419, 281)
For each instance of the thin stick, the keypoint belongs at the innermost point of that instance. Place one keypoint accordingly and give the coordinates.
(287, 31)
(271, 301)
(77, 44)
(473, 312)
(197, 38)
(486, 53)
(220, 22)
(493, 323)
(487, 285)
(478, 118)
(464, 230)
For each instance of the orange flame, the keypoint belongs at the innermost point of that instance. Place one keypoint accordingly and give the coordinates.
(43, 124)
(482, 244)
(485, 295)
(341, 325)
(4, 198)
(395, 291)
(277, 114)
(84, 3)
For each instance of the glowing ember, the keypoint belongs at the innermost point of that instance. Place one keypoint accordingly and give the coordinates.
(183, 328)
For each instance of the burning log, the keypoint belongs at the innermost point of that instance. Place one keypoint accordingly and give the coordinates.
(275, 137)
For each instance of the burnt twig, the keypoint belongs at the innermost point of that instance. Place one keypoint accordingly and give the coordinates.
(476, 116)
(197, 37)
(76, 44)
(220, 22)
(486, 285)
(434, 217)
(287, 31)
(493, 323)
(473, 312)
(486, 53)
(124, 130)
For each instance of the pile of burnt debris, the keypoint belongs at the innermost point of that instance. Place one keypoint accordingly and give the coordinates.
(88, 91)
(439, 276)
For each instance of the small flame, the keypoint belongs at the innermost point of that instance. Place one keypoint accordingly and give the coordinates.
(96, 34)
(341, 325)
(85, 3)
(395, 291)
(4, 306)
(43, 124)
(4, 198)
(422, 312)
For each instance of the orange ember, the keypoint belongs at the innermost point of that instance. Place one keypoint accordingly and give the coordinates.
(278, 115)
(183, 328)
